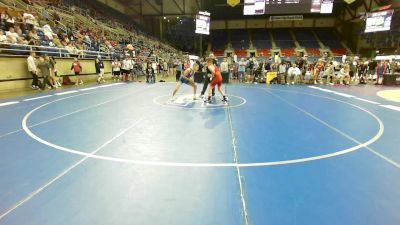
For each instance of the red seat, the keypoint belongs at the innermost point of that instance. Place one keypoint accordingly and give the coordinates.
(288, 52)
(264, 51)
(339, 51)
(313, 51)
(241, 52)
(219, 52)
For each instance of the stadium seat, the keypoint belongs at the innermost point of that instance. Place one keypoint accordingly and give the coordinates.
(266, 52)
(288, 51)
(339, 51)
(313, 51)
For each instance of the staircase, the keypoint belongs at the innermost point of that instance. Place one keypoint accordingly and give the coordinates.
(296, 43)
(272, 40)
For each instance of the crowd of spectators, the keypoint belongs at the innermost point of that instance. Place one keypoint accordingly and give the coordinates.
(325, 70)
(46, 28)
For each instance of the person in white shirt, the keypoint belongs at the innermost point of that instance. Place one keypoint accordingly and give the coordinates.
(116, 69)
(48, 32)
(3, 37)
(12, 36)
(241, 69)
(165, 68)
(329, 74)
(10, 21)
(31, 61)
(294, 73)
(30, 20)
(224, 68)
(344, 75)
(126, 68)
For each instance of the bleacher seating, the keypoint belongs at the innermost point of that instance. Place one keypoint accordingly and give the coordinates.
(329, 38)
(283, 39)
(261, 39)
(266, 52)
(241, 52)
(306, 38)
(110, 40)
(313, 52)
(219, 39)
(288, 52)
(239, 39)
(339, 51)
(218, 52)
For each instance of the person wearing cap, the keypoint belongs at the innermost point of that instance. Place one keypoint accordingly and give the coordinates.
(208, 75)
(186, 78)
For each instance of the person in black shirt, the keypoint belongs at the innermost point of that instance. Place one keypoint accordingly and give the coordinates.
(99, 70)
(207, 78)
(372, 68)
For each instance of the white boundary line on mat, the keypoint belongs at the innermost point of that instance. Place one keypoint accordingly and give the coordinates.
(187, 164)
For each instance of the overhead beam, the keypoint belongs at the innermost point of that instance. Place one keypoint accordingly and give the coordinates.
(370, 6)
(153, 7)
(180, 9)
(198, 5)
(365, 6)
(133, 9)
(353, 15)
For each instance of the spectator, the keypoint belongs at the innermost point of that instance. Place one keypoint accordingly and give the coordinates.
(317, 70)
(48, 32)
(165, 68)
(329, 74)
(293, 74)
(36, 36)
(149, 73)
(76, 69)
(344, 75)
(224, 68)
(234, 70)
(33, 70)
(242, 69)
(372, 68)
(12, 36)
(29, 20)
(381, 69)
(10, 21)
(362, 72)
(125, 68)
(3, 37)
(57, 42)
(282, 76)
(53, 71)
(99, 65)
(116, 69)
(178, 65)
(44, 67)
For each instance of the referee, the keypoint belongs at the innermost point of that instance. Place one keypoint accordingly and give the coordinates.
(207, 79)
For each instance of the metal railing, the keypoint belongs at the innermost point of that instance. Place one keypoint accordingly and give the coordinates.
(18, 49)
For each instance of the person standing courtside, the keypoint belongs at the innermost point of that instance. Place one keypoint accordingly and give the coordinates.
(179, 67)
(116, 69)
(77, 68)
(44, 67)
(207, 77)
(224, 68)
(99, 70)
(33, 70)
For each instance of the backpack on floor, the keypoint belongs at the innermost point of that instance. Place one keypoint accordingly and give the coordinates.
(66, 80)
